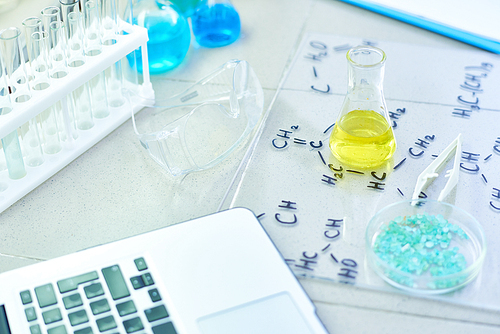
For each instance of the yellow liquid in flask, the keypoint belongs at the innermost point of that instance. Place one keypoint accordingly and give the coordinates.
(362, 138)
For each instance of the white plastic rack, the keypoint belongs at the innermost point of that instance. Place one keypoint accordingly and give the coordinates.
(134, 38)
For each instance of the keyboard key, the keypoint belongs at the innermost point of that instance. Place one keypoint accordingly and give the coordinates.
(140, 264)
(148, 279)
(72, 283)
(35, 329)
(93, 290)
(51, 316)
(167, 328)
(105, 324)
(137, 282)
(156, 313)
(30, 314)
(86, 330)
(4, 323)
(78, 317)
(115, 281)
(72, 301)
(133, 325)
(126, 308)
(99, 306)
(45, 295)
(57, 330)
(155, 295)
(26, 297)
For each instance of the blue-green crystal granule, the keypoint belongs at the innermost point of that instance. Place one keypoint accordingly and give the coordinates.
(418, 245)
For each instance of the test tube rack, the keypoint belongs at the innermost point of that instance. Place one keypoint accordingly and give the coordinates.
(133, 38)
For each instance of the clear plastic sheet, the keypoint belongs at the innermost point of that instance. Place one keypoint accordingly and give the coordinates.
(316, 210)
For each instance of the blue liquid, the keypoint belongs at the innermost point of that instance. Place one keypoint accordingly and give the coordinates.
(217, 25)
(168, 44)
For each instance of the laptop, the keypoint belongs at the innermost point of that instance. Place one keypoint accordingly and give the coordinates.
(218, 274)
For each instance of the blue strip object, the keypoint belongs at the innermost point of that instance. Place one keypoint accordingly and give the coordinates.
(433, 26)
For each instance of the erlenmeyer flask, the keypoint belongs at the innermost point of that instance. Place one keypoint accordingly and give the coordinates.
(362, 136)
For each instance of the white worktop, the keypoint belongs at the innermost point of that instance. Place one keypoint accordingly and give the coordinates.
(115, 190)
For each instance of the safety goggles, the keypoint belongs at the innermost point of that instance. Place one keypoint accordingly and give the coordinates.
(197, 129)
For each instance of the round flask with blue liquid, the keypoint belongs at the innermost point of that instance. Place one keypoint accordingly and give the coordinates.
(216, 23)
(168, 32)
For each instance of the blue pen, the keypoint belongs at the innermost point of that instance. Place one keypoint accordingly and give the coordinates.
(433, 26)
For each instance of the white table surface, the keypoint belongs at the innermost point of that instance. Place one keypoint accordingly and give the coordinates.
(115, 190)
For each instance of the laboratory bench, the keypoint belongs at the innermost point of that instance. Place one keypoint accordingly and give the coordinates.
(115, 190)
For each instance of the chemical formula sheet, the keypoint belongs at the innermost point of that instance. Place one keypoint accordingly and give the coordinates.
(316, 210)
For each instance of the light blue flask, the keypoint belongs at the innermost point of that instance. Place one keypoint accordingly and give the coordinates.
(168, 31)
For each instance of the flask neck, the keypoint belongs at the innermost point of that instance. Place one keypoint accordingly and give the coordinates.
(366, 68)
(362, 78)
(366, 75)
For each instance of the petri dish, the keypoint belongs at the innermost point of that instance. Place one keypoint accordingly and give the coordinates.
(428, 248)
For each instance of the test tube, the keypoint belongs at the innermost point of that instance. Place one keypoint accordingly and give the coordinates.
(74, 33)
(37, 65)
(75, 57)
(81, 95)
(30, 25)
(65, 107)
(109, 24)
(57, 52)
(130, 78)
(93, 47)
(50, 14)
(48, 118)
(109, 30)
(38, 58)
(12, 157)
(31, 143)
(18, 91)
(5, 103)
(14, 65)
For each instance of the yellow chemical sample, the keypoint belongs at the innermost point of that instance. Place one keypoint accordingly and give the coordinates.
(362, 138)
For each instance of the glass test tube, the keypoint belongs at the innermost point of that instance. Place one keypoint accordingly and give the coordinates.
(30, 25)
(109, 30)
(48, 118)
(130, 78)
(109, 23)
(38, 58)
(5, 108)
(14, 65)
(15, 87)
(93, 47)
(76, 58)
(39, 81)
(5, 103)
(64, 108)
(51, 20)
(50, 14)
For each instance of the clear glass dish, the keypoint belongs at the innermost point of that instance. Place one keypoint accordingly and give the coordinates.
(431, 247)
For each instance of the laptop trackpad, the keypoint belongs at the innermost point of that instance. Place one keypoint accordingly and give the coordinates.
(270, 315)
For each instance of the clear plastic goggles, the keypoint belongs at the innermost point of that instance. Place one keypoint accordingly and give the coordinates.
(197, 129)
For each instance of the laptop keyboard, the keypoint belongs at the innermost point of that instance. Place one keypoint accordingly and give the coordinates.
(98, 302)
